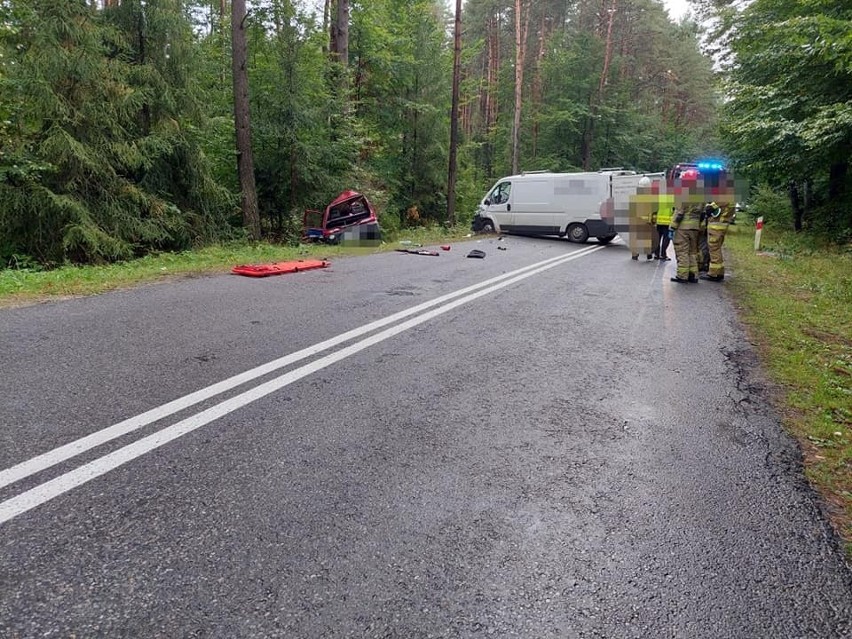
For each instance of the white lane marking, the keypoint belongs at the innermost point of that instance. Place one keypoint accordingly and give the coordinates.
(72, 449)
(48, 490)
(55, 487)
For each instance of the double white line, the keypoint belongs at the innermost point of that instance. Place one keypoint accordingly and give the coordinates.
(46, 491)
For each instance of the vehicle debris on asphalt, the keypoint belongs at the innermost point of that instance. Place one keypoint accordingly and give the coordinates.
(419, 252)
(476, 253)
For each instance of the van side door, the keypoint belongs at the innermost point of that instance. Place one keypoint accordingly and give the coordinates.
(533, 208)
(498, 205)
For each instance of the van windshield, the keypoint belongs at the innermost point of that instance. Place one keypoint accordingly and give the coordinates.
(500, 193)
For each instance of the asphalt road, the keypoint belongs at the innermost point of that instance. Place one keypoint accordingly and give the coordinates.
(393, 447)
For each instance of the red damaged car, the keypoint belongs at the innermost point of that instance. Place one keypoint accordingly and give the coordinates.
(349, 218)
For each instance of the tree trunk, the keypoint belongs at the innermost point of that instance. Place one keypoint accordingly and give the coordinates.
(343, 32)
(494, 96)
(543, 35)
(360, 77)
(837, 179)
(520, 52)
(588, 138)
(340, 51)
(807, 191)
(325, 27)
(595, 101)
(332, 25)
(146, 108)
(796, 203)
(454, 118)
(242, 120)
(493, 73)
(414, 149)
(607, 51)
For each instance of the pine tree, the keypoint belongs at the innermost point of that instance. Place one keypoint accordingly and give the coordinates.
(242, 120)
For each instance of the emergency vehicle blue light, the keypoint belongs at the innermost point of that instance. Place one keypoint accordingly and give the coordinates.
(711, 166)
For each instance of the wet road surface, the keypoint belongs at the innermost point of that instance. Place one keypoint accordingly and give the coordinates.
(554, 441)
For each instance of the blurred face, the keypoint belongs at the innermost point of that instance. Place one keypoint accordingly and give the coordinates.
(725, 193)
(721, 188)
(688, 191)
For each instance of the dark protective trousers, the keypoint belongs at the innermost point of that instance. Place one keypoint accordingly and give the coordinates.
(703, 251)
(662, 246)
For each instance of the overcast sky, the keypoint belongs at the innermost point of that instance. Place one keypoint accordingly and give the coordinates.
(677, 8)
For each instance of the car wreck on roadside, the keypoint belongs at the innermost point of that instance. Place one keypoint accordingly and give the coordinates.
(350, 219)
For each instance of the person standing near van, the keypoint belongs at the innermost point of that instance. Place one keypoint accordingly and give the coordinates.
(641, 215)
(684, 229)
(662, 221)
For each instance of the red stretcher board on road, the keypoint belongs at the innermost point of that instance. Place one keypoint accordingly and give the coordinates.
(278, 268)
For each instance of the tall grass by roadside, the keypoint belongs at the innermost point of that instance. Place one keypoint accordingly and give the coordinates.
(796, 298)
(28, 285)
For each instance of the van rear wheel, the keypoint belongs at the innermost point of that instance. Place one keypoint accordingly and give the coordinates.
(606, 239)
(578, 233)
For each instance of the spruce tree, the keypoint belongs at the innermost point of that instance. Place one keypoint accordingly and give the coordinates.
(97, 162)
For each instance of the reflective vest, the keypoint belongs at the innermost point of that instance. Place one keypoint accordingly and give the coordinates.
(664, 213)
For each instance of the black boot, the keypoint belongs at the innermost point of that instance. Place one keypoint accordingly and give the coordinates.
(679, 280)
(692, 279)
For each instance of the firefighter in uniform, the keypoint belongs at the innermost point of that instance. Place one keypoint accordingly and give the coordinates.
(641, 209)
(718, 219)
(684, 229)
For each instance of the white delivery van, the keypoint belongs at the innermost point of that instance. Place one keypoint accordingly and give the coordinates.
(564, 204)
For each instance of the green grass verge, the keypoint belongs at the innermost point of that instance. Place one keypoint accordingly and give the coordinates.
(27, 286)
(795, 297)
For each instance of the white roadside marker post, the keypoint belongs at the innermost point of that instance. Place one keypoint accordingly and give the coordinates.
(758, 229)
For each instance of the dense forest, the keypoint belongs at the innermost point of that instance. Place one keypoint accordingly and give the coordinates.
(119, 119)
